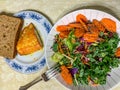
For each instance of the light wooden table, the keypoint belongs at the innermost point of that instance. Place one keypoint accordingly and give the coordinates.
(54, 10)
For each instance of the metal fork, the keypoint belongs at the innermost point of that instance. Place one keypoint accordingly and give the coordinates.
(53, 71)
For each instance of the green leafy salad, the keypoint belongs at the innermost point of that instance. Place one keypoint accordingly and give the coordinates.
(87, 62)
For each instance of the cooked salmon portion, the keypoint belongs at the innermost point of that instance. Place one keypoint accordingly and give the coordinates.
(29, 42)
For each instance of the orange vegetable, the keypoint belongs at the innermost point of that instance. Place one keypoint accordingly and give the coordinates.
(93, 29)
(64, 34)
(62, 28)
(60, 47)
(99, 25)
(83, 20)
(109, 24)
(66, 75)
(90, 37)
(117, 53)
(75, 25)
(84, 25)
(81, 17)
(79, 32)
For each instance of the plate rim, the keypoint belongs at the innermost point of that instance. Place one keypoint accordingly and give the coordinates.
(41, 62)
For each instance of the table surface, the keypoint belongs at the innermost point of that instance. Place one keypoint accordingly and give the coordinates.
(54, 10)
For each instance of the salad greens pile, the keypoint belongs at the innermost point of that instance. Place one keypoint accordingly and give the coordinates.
(96, 62)
(89, 62)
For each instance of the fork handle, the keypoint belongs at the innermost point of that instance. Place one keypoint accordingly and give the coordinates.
(25, 87)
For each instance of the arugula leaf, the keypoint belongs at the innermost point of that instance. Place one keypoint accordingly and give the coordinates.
(55, 47)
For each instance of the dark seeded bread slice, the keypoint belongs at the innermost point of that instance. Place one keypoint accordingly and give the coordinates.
(9, 34)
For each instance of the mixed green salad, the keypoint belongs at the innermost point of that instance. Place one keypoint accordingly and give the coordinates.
(88, 63)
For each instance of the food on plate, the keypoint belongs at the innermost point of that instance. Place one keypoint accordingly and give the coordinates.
(117, 53)
(65, 73)
(9, 33)
(99, 25)
(86, 51)
(109, 24)
(29, 41)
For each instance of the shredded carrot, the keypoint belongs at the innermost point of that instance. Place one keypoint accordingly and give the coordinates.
(109, 24)
(68, 52)
(81, 17)
(66, 75)
(94, 84)
(90, 82)
(88, 78)
(60, 48)
(69, 66)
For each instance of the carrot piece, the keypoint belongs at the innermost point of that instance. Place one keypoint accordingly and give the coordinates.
(88, 37)
(93, 29)
(84, 25)
(117, 53)
(66, 75)
(64, 34)
(75, 25)
(83, 20)
(62, 28)
(79, 33)
(94, 84)
(99, 25)
(88, 78)
(109, 24)
(81, 17)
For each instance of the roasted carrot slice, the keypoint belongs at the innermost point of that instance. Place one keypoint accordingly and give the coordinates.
(88, 37)
(84, 25)
(81, 17)
(66, 75)
(62, 28)
(75, 25)
(83, 20)
(93, 29)
(117, 53)
(99, 25)
(109, 24)
(79, 33)
(64, 34)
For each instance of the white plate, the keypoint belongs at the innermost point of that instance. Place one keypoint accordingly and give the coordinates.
(91, 14)
(31, 63)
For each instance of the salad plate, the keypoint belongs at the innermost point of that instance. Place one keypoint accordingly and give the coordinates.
(33, 62)
(113, 78)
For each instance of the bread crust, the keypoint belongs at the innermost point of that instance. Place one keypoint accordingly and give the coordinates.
(10, 28)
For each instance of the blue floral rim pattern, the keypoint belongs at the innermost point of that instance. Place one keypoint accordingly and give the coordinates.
(27, 69)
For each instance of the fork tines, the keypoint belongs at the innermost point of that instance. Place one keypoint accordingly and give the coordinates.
(53, 71)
